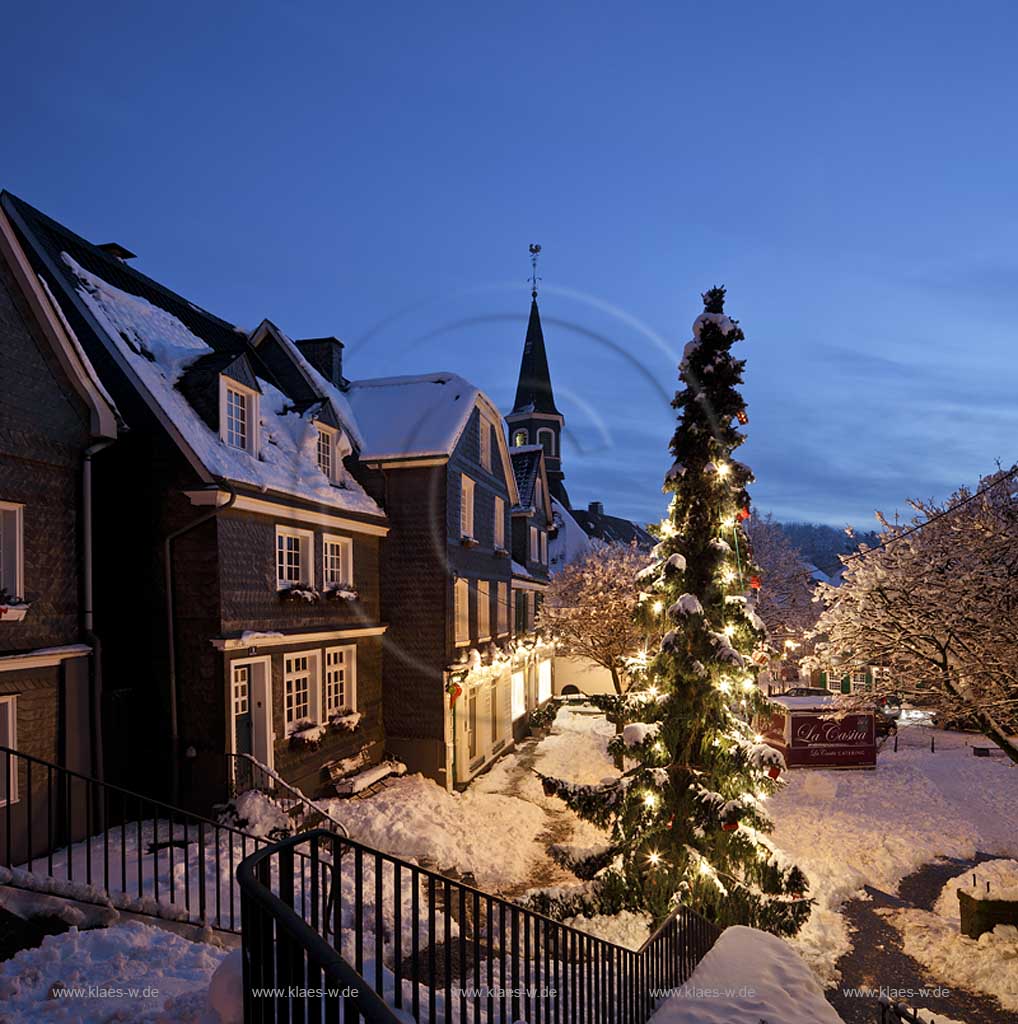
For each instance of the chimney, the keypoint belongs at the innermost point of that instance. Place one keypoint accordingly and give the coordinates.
(326, 356)
(596, 508)
(117, 251)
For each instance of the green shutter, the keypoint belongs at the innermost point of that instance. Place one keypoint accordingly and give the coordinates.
(823, 680)
(846, 683)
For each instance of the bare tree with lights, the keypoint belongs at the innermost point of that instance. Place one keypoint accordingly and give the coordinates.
(937, 604)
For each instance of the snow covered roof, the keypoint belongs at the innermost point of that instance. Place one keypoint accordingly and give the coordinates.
(155, 336)
(412, 417)
(569, 543)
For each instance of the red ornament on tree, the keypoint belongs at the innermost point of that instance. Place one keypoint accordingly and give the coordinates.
(730, 826)
(741, 416)
(754, 582)
(774, 771)
(743, 514)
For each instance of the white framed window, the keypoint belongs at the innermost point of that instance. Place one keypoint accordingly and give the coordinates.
(519, 695)
(483, 610)
(241, 690)
(544, 547)
(520, 437)
(238, 415)
(12, 550)
(546, 439)
(293, 557)
(301, 701)
(502, 610)
(325, 451)
(485, 438)
(466, 506)
(9, 739)
(535, 547)
(461, 601)
(337, 562)
(340, 679)
(499, 523)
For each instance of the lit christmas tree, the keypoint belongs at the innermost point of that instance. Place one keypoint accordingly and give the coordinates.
(688, 821)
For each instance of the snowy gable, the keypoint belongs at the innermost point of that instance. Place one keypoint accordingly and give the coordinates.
(411, 417)
(164, 354)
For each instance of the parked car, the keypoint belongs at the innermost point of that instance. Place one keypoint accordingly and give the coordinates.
(806, 691)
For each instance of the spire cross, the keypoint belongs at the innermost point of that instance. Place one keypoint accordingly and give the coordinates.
(535, 251)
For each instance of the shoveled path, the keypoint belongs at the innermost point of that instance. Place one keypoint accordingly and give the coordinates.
(877, 959)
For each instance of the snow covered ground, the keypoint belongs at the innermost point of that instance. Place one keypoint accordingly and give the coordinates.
(988, 964)
(853, 828)
(128, 972)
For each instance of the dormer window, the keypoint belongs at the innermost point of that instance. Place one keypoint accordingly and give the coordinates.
(520, 438)
(326, 451)
(238, 416)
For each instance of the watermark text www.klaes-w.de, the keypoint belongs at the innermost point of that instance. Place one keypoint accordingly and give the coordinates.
(305, 992)
(897, 994)
(102, 992)
(696, 992)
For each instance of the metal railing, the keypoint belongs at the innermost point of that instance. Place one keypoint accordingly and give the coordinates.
(899, 1013)
(320, 910)
(74, 836)
(246, 772)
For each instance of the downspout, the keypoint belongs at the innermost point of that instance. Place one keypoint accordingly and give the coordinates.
(89, 610)
(171, 637)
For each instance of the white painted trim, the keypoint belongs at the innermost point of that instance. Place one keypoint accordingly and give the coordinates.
(315, 659)
(522, 584)
(285, 639)
(307, 556)
(251, 414)
(277, 510)
(347, 544)
(17, 510)
(331, 433)
(11, 742)
(408, 463)
(41, 659)
(350, 665)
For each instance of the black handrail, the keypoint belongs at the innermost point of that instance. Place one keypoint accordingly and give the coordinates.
(247, 772)
(101, 843)
(441, 950)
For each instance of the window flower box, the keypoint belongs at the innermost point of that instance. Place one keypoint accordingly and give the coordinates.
(299, 592)
(307, 736)
(344, 720)
(501, 553)
(12, 609)
(341, 592)
(469, 542)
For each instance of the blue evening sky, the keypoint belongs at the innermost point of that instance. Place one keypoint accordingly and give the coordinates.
(377, 172)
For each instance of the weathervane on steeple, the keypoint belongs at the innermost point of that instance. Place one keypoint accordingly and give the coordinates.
(535, 251)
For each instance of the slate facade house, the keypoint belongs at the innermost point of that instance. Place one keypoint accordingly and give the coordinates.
(435, 455)
(53, 418)
(237, 593)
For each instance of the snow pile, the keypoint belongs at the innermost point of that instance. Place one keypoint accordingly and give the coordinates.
(748, 976)
(569, 542)
(626, 928)
(143, 974)
(687, 604)
(851, 829)
(159, 348)
(362, 780)
(491, 835)
(259, 815)
(1002, 876)
(637, 733)
(988, 964)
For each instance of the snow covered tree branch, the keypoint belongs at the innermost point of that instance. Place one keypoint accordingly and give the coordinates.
(937, 603)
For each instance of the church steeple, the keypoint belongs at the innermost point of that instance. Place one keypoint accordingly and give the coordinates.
(535, 419)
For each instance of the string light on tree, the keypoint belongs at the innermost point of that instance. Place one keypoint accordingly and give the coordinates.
(699, 811)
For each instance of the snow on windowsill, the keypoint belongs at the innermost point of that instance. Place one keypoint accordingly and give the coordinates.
(468, 542)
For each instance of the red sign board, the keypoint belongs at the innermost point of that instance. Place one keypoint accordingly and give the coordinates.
(809, 738)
